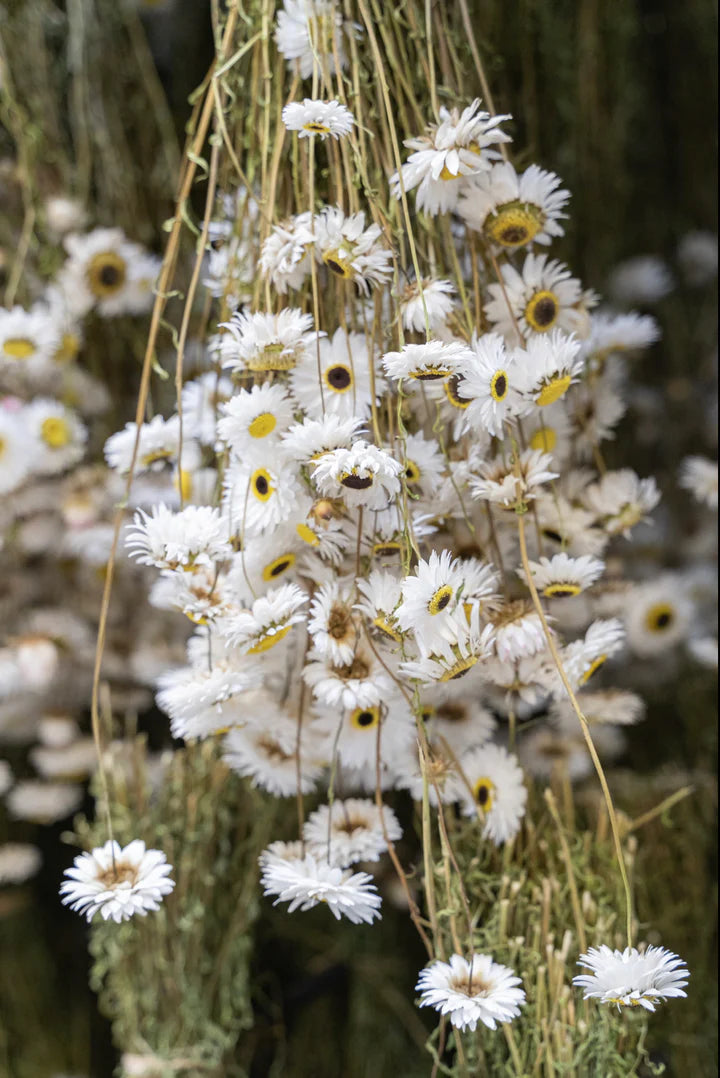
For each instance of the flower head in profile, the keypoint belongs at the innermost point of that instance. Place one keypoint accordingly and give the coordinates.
(631, 978)
(117, 883)
(323, 118)
(306, 881)
(480, 990)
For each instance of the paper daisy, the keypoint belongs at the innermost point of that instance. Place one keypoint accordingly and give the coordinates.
(267, 342)
(195, 536)
(424, 465)
(331, 623)
(621, 500)
(363, 476)
(323, 118)
(309, 440)
(460, 146)
(499, 792)
(562, 576)
(334, 378)
(507, 484)
(380, 594)
(28, 339)
(618, 333)
(490, 385)
(541, 296)
(427, 362)
(480, 990)
(632, 978)
(305, 882)
(644, 279)
(106, 271)
(352, 734)
(309, 35)
(117, 883)
(426, 305)
(267, 753)
(453, 662)
(257, 498)
(159, 443)
(547, 367)
(44, 802)
(429, 599)
(252, 420)
(603, 639)
(18, 449)
(287, 252)
(351, 251)
(700, 476)
(657, 615)
(202, 399)
(350, 831)
(361, 683)
(19, 861)
(515, 210)
(270, 619)
(518, 631)
(197, 698)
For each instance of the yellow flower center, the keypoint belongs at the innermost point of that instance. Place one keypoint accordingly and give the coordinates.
(365, 718)
(69, 348)
(554, 390)
(273, 357)
(452, 392)
(338, 378)
(19, 347)
(446, 174)
(307, 535)
(184, 484)
(338, 264)
(499, 386)
(430, 374)
(514, 224)
(483, 791)
(278, 566)
(269, 641)
(542, 311)
(659, 617)
(261, 485)
(384, 626)
(386, 549)
(105, 274)
(155, 456)
(544, 439)
(460, 669)
(595, 665)
(560, 590)
(440, 599)
(316, 128)
(55, 432)
(412, 472)
(262, 425)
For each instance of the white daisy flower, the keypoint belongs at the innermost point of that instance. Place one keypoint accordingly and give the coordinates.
(18, 448)
(331, 623)
(307, 441)
(342, 366)
(200, 699)
(349, 250)
(19, 861)
(426, 305)
(480, 990)
(353, 733)
(429, 600)
(362, 475)
(106, 271)
(117, 883)
(698, 257)
(569, 527)
(453, 662)
(304, 882)
(380, 594)
(596, 407)
(252, 420)
(496, 781)
(64, 214)
(28, 339)
(323, 118)
(620, 500)
(201, 594)
(561, 575)
(202, 400)
(606, 707)
(515, 210)
(505, 485)
(424, 465)
(361, 683)
(581, 658)
(612, 333)
(547, 367)
(159, 443)
(287, 252)
(456, 148)
(268, 754)
(657, 615)
(263, 342)
(462, 723)
(427, 362)
(309, 35)
(350, 831)
(643, 279)
(257, 498)
(489, 385)
(195, 536)
(270, 619)
(43, 802)
(541, 296)
(69, 763)
(632, 978)
(519, 632)
(700, 476)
